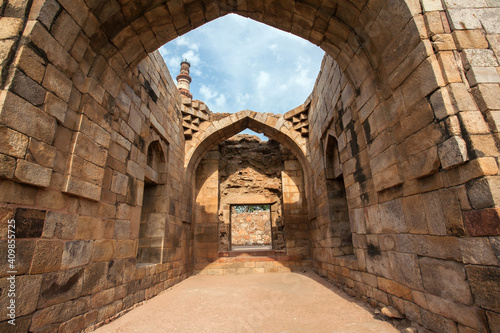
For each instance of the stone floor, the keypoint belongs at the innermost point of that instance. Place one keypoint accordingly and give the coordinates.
(273, 302)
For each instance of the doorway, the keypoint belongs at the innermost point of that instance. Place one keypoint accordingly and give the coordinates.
(251, 227)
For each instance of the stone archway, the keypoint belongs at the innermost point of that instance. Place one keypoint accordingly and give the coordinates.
(274, 126)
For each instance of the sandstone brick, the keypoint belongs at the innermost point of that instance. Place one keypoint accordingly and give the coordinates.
(55, 107)
(103, 250)
(60, 225)
(477, 251)
(119, 183)
(32, 173)
(76, 253)
(12, 27)
(122, 229)
(27, 291)
(29, 222)
(17, 193)
(65, 30)
(82, 188)
(21, 116)
(95, 278)
(462, 314)
(47, 256)
(12, 143)
(484, 287)
(436, 275)
(45, 11)
(484, 222)
(470, 39)
(7, 166)
(483, 192)
(477, 75)
(59, 312)
(27, 88)
(453, 152)
(90, 150)
(42, 153)
(24, 255)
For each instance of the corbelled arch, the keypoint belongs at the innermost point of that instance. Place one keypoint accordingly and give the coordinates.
(274, 126)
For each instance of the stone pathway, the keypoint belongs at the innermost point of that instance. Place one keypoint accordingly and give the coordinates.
(264, 303)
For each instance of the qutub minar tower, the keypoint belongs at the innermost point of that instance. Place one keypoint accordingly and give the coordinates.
(183, 79)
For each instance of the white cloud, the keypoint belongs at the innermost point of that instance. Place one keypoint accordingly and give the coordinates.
(207, 92)
(192, 57)
(262, 80)
(220, 101)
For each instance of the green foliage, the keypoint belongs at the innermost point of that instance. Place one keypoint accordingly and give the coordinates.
(250, 208)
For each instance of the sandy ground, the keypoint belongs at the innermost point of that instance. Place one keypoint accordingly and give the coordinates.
(270, 303)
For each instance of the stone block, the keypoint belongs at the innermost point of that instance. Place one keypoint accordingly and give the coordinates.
(7, 166)
(29, 222)
(445, 279)
(462, 314)
(27, 88)
(438, 323)
(103, 298)
(119, 183)
(76, 253)
(424, 163)
(122, 229)
(47, 256)
(103, 250)
(434, 213)
(55, 107)
(23, 117)
(477, 75)
(42, 153)
(59, 312)
(12, 143)
(473, 122)
(60, 225)
(415, 214)
(431, 5)
(392, 217)
(484, 284)
(90, 150)
(65, 30)
(24, 255)
(470, 39)
(82, 188)
(387, 178)
(57, 82)
(394, 288)
(478, 58)
(60, 286)
(484, 222)
(12, 27)
(32, 173)
(484, 192)
(27, 291)
(453, 152)
(477, 250)
(95, 278)
(405, 269)
(486, 96)
(434, 246)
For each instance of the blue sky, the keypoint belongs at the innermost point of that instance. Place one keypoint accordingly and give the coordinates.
(238, 64)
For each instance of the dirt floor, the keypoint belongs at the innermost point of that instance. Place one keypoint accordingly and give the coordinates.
(275, 302)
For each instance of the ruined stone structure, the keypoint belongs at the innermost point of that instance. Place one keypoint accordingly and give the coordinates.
(397, 149)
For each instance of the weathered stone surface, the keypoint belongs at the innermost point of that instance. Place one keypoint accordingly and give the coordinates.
(405, 270)
(24, 255)
(103, 250)
(95, 278)
(60, 286)
(453, 152)
(59, 312)
(60, 225)
(27, 289)
(484, 285)
(76, 253)
(23, 117)
(7, 166)
(484, 192)
(29, 222)
(12, 143)
(477, 251)
(32, 173)
(445, 279)
(484, 222)
(47, 256)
